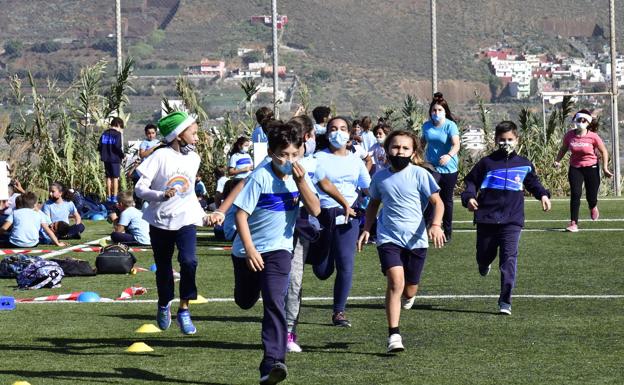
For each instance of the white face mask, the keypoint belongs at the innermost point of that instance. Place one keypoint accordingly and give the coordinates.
(338, 139)
(245, 149)
(381, 140)
(508, 145)
(581, 126)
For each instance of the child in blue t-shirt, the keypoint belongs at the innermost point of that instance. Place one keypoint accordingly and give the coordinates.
(240, 163)
(129, 228)
(60, 210)
(25, 224)
(404, 189)
(267, 209)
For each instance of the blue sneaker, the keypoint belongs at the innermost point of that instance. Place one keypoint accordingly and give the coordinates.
(184, 321)
(504, 308)
(163, 316)
(277, 374)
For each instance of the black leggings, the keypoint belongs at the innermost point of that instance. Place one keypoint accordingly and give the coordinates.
(576, 176)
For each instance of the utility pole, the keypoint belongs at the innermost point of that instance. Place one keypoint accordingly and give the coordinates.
(434, 50)
(275, 59)
(118, 33)
(614, 103)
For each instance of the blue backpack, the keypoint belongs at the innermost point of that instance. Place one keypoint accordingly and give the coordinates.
(41, 273)
(11, 266)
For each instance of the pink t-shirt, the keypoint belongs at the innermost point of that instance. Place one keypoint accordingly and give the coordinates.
(582, 148)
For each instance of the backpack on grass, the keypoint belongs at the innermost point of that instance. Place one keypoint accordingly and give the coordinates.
(11, 266)
(115, 259)
(41, 273)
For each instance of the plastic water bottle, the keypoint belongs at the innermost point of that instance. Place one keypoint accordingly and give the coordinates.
(7, 303)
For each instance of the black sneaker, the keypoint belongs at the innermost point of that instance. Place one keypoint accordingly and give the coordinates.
(277, 374)
(484, 270)
(448, 236)
(340, 319)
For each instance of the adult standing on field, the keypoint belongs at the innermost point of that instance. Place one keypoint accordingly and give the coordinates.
(440, 135)
(583, 143)
(110, 147)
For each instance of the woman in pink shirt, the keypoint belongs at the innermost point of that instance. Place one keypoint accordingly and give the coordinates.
(583, 142)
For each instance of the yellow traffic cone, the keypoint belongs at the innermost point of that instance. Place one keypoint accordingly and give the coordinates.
(199, 299)
(148, 328)
(139, 347)
(21, 383)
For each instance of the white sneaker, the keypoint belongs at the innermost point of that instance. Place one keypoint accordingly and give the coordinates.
(292, 346)
(395, 343)
(407, 303)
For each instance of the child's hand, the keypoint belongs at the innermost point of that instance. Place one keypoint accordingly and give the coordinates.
(546, 205)
(214, 218)
(298, 172)
(170, 192)
(61, 244)
(362, 240)
(349, 212)
(444, 159)
(254, 261)
(473, 205)
(607, 173)
(437, 235)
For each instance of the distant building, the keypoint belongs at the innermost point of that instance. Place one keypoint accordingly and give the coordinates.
(268, 71)
(473, 139)
(215, 68)
(267, 20)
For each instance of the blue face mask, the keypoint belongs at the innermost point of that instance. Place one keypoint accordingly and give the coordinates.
(320, 130)
(285, 168)
(310, 146)
(438, 117)
(338, 139)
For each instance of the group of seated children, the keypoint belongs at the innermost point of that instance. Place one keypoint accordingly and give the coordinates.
(24, 224)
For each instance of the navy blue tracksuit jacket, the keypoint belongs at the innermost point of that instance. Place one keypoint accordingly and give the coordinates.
(497, 182)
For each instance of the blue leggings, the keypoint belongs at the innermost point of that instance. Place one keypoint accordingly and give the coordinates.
(342, 256)
(163, 243)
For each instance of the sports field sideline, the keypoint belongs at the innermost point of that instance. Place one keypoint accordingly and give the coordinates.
(566, 327)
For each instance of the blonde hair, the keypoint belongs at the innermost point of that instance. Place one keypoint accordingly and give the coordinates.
(126, 198)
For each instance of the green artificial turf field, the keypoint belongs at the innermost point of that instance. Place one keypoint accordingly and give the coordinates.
(567, 325)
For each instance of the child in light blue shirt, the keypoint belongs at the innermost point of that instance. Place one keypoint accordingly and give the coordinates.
(267, 209)
(130, 228)
(60, 210)
(404, 190)
(240, 163)
(25, 223)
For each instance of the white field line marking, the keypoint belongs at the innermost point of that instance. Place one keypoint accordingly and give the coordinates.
(206, 233)
(561, 220)
(70, 248)
(545, 230)
(381, 298)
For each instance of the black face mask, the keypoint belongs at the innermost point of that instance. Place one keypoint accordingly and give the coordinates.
(399, 162)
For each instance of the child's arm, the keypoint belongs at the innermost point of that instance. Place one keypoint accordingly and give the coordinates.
(5, 227)
(310, 200)
(330, 189)
(143, 191)
(76, 216)
(604, 154)
(562, 151)
(254, 259)
(51, 234)
(435, 230)
(371, 215)
(471, 189)
(218, 216)
(535, 187)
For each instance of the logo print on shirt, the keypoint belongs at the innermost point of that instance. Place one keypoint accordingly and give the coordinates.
(500, 179)
(180, 183)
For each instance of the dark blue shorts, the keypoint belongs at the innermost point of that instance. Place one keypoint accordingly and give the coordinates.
(112, 170)
(412, 261)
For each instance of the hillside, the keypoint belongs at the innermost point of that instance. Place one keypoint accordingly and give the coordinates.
(374, 51)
